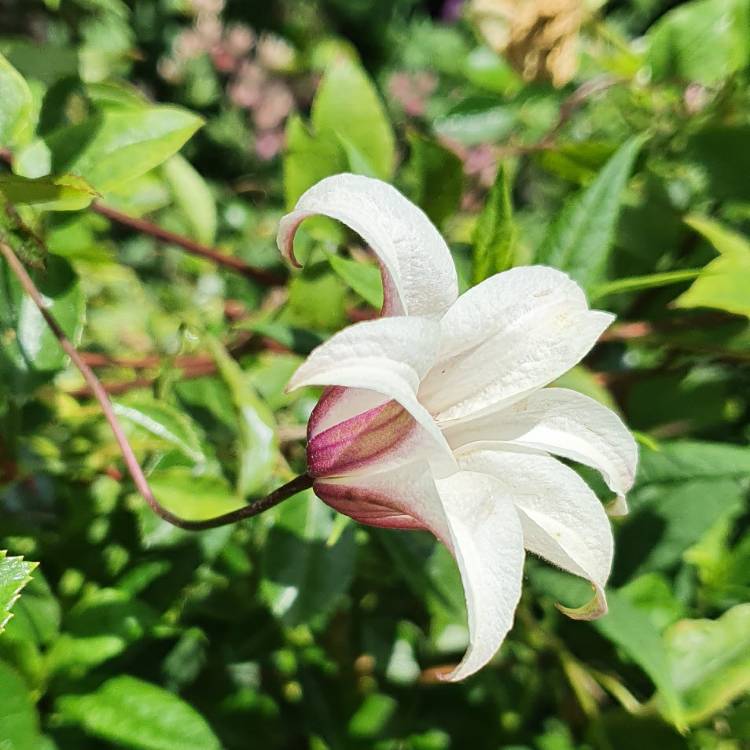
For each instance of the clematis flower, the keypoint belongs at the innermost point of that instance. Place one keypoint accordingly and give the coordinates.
(436, 415)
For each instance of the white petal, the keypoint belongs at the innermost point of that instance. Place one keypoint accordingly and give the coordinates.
(488, 547)
(562, 519)
(419, 275)
(507, 337)
(388, 356)
(471, 514)
(562, 422)
(403, 498)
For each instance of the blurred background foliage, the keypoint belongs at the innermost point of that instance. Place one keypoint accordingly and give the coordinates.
(609, 139)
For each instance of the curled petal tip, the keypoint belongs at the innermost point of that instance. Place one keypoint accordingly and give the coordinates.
(618, 507)
(592, 610)
(285, 238)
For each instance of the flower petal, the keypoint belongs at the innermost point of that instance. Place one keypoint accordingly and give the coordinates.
(472, 516)
(562, 422)
(507, 337)
(388, 356)
(562, 519)
(488, 547)
(382, 436)
(402, 498)
(419, 277)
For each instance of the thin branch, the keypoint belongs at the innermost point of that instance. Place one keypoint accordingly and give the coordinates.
(195, 248)
(131, 462)
(186, 243)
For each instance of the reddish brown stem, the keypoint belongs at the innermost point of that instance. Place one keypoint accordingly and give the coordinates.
(186, 243)
(131, 462)
(195, 248)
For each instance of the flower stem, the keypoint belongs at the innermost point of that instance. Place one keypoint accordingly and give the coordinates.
(186, 243)
(298, 484)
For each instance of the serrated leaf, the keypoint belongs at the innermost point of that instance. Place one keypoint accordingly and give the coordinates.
(138, 715)
(348, 105)
(63, 193)
(16, 104)
(710, 661)
(494, 234)
(580, 239)
(115, 146)
(15, 573)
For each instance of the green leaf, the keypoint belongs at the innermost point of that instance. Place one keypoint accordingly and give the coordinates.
(710, 661)
(115, 146)
(627, 628)
(138, 715)
(193, 197)
(476, 120)
(15, 573)
(638, 283)
(36, 615)
(98, 628)
(193, 496)
(164, 422)
(31, 353)
(347, 104)
(303, 576)
(669, 503)
(703, 41)
(438, 178)
(363, 278)
(580, 239)
(726, 241)
(64, 193)
(683, 460)
(258, 445)
(577, 161)
(308, 159)
(722, 153)
(494, 234)
(723, 283)
(16, 105)
(19, 722)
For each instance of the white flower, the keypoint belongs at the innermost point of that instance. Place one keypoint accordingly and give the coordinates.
(436, 416)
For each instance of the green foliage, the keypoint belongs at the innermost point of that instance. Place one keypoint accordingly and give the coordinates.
(494, 234)
(15, 573)
(300, 629)
(133, 713)
(17, 107)
(115, 146)
(580, 239)
(701, 41)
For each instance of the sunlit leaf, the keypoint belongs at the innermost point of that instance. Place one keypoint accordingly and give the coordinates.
(15, 573)
(139, 715)
(580, 239)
